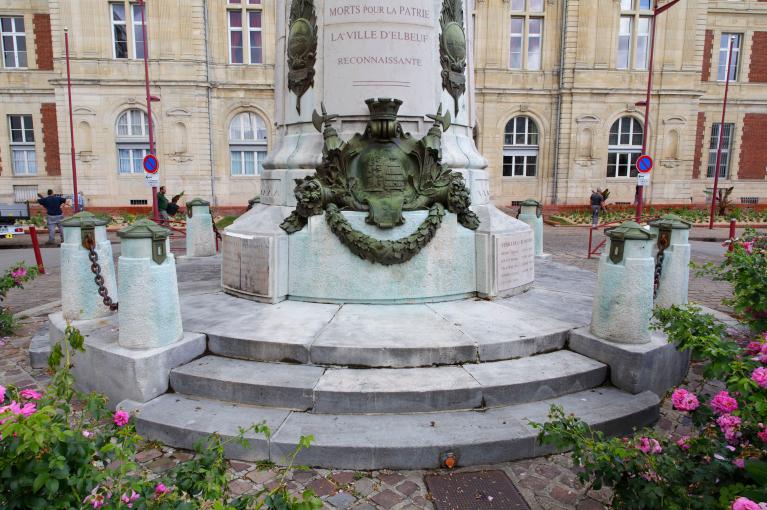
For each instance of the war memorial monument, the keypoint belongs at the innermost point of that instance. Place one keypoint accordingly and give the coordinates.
(375, 297)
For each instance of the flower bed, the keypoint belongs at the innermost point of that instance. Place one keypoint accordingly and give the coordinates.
(582, 216)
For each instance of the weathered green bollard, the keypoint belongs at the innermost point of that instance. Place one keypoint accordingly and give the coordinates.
(531, 212)
(673, 252)
(150, 312)
(85, 237)
(623, 301)
(200, 238)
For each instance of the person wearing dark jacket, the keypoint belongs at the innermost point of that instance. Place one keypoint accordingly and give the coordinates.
(597, 206)
(52, 204)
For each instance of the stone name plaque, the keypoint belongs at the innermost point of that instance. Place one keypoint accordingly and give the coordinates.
(514, 260)
(230, 269)
(380, 49)
(255, 261)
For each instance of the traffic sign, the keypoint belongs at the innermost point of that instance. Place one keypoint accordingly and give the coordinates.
(643, 179)
(152, 180)
(151, 165)
(644, 163)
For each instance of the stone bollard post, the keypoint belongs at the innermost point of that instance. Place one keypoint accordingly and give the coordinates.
(150, 312)
(623, 301)
(531, 212)
(673, 247)
(200, 238)
(80, 299)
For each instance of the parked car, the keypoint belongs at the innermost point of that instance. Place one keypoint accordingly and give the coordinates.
(9, 215)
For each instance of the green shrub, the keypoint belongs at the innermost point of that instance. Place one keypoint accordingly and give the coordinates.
(63, 449)
(13, 278)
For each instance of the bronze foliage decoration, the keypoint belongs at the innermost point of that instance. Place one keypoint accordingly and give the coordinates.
(452, 49)
(383, 171)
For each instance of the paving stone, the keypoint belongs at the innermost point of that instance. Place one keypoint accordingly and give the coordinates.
(364, 506)
(533, 483)
(259, 476)
(387, 499)
(390, 478)
(147, 455)
(365, 487)
(408, 488)
(343, 477)
(590, 504)
(547, 471)
(321, 487)
(239, 487)
(564, 495)
(303, 476)
(161, 465)
(341, 500)
(240, 466)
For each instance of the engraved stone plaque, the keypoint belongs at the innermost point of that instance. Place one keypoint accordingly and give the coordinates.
(230, 269)
(270, 191)
(514, 260)
(256, 256)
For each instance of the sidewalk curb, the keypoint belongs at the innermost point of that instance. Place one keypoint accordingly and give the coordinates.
(38, 310)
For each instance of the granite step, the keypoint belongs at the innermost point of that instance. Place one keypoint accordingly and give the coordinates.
(388, 390)
(388, 441)
(375, 336)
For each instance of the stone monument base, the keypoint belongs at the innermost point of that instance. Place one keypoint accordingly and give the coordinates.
(263, 263)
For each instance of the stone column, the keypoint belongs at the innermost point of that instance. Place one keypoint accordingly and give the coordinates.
(623, 301)
(673, 234)
(150, 312)
(80, 299)
(200, 238)
(531, 212)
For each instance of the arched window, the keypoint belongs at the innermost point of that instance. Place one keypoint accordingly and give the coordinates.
(132, 141)
(247, 144)
(520, 148)
(624, 147)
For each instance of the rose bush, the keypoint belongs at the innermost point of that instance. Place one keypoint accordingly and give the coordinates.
(14, 278)
(60, 449)
(721, 464)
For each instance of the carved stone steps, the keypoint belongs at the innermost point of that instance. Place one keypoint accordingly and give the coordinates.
(404, 390)
(396, 441)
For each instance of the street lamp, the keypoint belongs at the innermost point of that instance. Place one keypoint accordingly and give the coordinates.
(149, 99)
(646, 103)
(75, 198)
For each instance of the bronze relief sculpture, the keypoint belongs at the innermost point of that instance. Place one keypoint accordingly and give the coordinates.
(452, 49)
(302, 48)
(383, 171)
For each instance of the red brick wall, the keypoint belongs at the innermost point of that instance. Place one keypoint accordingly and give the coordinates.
(708, 47)
(758, 69)
(43, 43)
(700, 136)
(51, 138)
(753, 157)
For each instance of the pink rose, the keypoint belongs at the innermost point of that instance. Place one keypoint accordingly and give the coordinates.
(121, 418)
(723, 403)
(16, 408)
(748, 246)
(160, 490)
(87, 434)
(684, 400)
(649, 445)
(729, 425)
(2, 394)
(128, 500)
(19, 273)
(683, 443)
(30, 394)
(763, 436)
(744, 504)
(763, 348)
(754, 348)
(759, 376)
(740, 463)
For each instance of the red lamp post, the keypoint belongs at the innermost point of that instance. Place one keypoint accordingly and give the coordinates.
(75, 197)
(656, 10)
(149, 98)
(721, 134)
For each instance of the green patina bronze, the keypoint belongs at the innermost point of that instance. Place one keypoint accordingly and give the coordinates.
(302, 48)
(383, 171)
(452, 49)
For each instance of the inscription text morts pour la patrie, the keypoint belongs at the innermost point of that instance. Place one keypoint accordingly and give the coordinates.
(402, 10)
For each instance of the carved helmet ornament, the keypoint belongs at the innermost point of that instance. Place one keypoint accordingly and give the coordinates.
(383, 171)
(302, 48)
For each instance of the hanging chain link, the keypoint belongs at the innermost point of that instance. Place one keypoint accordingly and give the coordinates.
(216, 232)
(662, 245)
(96, 269)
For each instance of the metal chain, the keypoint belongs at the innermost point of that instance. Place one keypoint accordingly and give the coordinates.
(96, 269)
(658, 268)
(216, 232)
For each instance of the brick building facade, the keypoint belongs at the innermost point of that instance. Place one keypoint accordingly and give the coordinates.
(557, 81)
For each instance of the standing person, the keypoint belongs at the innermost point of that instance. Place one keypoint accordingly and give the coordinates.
(80, 201)
(597, 205)
(52, 204)
(162, 204)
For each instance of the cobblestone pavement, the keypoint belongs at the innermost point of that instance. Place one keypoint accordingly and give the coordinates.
(546, 483)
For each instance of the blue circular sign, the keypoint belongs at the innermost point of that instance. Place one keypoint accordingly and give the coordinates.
(644, 163)
(151, 165)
